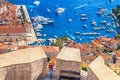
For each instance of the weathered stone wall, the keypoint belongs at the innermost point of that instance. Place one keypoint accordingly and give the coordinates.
(44, 70)
(27, 71)
(67, 66)
(91, 75)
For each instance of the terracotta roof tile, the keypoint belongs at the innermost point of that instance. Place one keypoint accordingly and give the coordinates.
(117, 53)
(12, 30)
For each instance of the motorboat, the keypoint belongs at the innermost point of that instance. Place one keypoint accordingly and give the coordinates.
(60, 10)
(69, 20)
(110, 30)
(83, 15)
(84, 25)
(101, 11)
(108, 24)
(103, 22)
(77, 33)
(42, 20)
(111, 0)
(93, 22)
(99, 28)
(38, 34)
(83, 18)
(91, 34)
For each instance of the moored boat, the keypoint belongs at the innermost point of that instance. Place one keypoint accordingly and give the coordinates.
(77, 33)
(83, 18)
(59, 10)
(93, 22)
(84, 25)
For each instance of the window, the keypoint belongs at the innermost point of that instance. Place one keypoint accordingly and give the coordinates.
(10, 40)
(7, 34)
(5, 40)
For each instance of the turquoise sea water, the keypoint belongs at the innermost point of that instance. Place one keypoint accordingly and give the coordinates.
(73, 9)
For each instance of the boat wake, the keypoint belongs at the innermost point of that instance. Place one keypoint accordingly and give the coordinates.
(70, 35)
(49, 10)
(80, 6)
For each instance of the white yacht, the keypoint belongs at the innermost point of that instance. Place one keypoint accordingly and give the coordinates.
(84, 25)
(83, 18)
(103, 22)
(93, 22)
(38, 34)
(77, 33)
(108, 24)
(83, 15)
(110, 30)
(101, 11)
(99, 28)
(42, 20)
(60, 10)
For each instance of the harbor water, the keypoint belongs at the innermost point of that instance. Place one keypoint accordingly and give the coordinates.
(81, 21)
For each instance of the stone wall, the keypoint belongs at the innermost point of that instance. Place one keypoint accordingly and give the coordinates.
(44, 70)
(91, 75)
(63, 65)
(26, 71)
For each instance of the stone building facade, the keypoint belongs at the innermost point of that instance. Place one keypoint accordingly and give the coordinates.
(68, 63)
(99, 71)
(24, 64)
(12, 26)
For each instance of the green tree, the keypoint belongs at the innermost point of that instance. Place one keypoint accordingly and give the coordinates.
(60, 41)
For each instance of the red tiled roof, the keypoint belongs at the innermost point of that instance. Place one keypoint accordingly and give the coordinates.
(23, 47)
(12, 24)
(97, 42)
(73, 44)
(117, 53)
(12, 30)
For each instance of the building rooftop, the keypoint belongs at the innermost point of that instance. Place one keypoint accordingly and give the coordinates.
(21, 56)
(69, 54)
(10, 22)
(117, 53)
(72, 44)
(101, 71)
(50, 49)
(12, 30)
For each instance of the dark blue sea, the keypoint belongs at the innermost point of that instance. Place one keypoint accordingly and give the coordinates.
(73, 9)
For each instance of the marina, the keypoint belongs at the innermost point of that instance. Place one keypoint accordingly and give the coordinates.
(90, 18)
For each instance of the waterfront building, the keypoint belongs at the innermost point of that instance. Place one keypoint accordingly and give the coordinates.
(15, 24)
